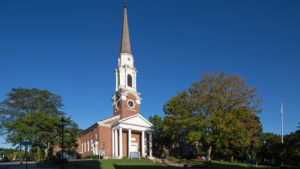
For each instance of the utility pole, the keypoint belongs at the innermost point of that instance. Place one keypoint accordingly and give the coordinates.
(281, 114)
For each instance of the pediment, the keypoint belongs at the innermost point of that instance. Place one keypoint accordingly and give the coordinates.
(136, 120)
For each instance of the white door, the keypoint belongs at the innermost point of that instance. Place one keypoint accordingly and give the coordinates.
(133, 147)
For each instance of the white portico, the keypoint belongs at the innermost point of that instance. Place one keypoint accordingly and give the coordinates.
(132, 134)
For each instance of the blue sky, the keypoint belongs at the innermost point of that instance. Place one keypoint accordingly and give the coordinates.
(70, 48)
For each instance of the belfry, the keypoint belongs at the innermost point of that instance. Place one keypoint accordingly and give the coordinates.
(126, 99)
(127, 133)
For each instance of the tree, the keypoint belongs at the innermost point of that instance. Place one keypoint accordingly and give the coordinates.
(157, 134)
(7, 151)
(22, 101)
(291, 151)
(181, 123)
(219, 111)
(34, 115)
(273, 151)
(160, 137)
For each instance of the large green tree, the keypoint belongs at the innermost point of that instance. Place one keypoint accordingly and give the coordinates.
(291, 149)
(272, 150)
(160, 138)
(218, 111)
(34, 115)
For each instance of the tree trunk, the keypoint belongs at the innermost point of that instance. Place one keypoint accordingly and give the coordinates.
(39, 154)
(232, 158)
(196, 151)
(20, 153)
(46, 153)
(209, 153)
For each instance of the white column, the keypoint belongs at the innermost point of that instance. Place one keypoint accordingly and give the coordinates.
(120, 143)
(150, 144)
(129, 141)
(116, 143)
(143, 143)
(113, 143)
(117, 81)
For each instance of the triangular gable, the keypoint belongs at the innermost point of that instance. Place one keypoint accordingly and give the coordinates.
(108, 121)
(137, 120)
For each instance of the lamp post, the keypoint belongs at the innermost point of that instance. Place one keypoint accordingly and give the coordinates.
(26, 143)
(62, 123)
(26, 148)
(21, 152)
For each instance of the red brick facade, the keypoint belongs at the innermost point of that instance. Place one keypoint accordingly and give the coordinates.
(103, 135)
(87, 140)
(122, 108)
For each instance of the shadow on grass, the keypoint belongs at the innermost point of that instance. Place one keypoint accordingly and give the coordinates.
(140, 167)
(225, 165)
(84, 164)
(137, 164)
(235, 166)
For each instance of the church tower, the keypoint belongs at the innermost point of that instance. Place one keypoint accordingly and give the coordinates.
(126, 99)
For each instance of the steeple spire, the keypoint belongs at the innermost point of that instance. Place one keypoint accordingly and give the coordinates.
(125, 40)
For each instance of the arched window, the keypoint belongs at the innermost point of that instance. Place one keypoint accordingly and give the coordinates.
(129, 80)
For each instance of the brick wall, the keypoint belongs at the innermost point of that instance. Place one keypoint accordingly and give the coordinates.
(86, 140)
(106, 140)
(125, 143)
(124, 110)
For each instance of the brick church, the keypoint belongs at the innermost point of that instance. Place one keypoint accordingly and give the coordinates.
(127, 132)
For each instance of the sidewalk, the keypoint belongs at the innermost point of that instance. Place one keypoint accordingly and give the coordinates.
(32, 165)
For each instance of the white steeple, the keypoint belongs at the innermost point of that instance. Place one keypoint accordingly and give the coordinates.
(126, 72)
(126, 99)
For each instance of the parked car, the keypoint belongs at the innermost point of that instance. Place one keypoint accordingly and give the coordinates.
(200, 158)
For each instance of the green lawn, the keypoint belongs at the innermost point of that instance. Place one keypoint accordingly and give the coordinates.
(145, 164)
(227, 165)
(116, 164)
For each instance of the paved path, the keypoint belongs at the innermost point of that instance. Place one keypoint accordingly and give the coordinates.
(16, 165)
(7, 165)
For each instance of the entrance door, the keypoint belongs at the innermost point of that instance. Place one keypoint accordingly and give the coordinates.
(133, 147)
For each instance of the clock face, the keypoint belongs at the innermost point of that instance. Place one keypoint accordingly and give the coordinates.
(130, 103)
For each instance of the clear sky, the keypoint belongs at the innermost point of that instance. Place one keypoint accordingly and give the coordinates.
(70, 48)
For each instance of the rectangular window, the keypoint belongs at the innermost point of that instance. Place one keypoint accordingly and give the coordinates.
(82, 147)
(88, 147)
(92, 146)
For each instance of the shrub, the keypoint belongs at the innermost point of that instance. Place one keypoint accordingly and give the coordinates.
(94, 157)
(57, 160)
(174, 159)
